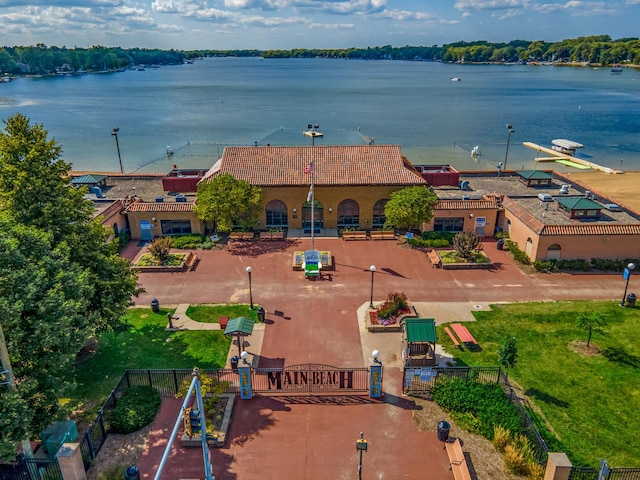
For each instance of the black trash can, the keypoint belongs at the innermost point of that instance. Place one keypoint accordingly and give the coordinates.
(234, 362)
(155, 305)
(261, 314)
(132, 473)
(631, 300)
(443, 430)
(500, 244)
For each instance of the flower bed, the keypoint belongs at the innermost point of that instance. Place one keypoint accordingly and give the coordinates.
(388, 316)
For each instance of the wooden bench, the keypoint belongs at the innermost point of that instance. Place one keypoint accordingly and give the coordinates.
(435, 259)
(241, 236)
(190, 262)
(271, 235)
(458, 463)
(356, 235)
(223, 322)
(382, 235)
(452, 336)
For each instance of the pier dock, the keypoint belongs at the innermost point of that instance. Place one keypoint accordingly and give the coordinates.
(556, 156)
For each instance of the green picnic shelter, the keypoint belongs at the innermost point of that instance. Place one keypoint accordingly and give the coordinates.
(419, 342)
(239, 327)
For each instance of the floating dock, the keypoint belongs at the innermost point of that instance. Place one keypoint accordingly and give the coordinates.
(567, 159)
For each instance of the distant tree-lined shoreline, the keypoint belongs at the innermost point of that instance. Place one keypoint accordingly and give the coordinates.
(595, 50)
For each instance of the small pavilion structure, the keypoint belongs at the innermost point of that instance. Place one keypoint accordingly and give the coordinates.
(239, 327)
(419, 342)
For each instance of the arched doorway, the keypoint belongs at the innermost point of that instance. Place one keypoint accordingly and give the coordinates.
(348, 214)
(318, 213)
(528, 247)
(379, 218)
(554, 252)
(276, 214)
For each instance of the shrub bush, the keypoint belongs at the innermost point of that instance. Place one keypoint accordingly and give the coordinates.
(577, 264)
(518, 254)
(501, 438)
(546, 266)
(448, 236)
(485, 401)
(187, 241)
(514, 460)
(431, 243)
(137, 408)
(393, 303)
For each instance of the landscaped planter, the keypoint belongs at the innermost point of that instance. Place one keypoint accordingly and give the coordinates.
(217, 429)
(181, 267)
(462, 266)
(394, 325)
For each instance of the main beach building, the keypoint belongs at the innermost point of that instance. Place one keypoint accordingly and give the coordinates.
(547, 214)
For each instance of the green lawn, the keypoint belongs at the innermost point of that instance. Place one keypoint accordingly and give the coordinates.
(590, 400)
(144, 343)
(211, 313)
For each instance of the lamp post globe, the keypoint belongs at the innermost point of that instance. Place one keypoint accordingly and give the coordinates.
(510, 130)
(627, 275)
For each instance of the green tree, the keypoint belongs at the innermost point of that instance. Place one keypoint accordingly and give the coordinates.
(508, 354)
(593, 322)
(466, 245)
(228, 202)
(60, 281)
(410, 207)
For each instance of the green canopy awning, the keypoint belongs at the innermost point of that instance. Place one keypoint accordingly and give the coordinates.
(239, 326)
(420, 330)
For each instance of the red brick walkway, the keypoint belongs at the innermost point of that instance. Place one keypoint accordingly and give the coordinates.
(314, 321)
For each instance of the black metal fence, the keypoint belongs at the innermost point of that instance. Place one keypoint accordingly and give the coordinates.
(31, 469)
(590, 473)
(420, 380)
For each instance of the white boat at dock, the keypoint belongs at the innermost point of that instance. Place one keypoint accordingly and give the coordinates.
(568, 147)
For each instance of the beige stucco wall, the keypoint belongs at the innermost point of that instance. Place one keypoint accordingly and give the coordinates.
(572, 246)
(136, 217)
(330, 198)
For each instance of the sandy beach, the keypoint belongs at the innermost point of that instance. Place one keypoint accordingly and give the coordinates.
(623, 187)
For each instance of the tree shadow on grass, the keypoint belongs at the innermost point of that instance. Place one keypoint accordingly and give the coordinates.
(545, 397)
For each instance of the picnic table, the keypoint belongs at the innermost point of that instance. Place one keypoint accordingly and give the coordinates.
(463, 334)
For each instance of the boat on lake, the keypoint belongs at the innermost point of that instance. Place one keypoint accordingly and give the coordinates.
(455, 79)
(568, 147)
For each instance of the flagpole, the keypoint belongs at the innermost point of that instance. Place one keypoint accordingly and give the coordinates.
(313, 199)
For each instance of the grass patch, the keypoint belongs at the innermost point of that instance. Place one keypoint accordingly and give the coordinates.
(144, 343)
(589, 399)
(212, 313)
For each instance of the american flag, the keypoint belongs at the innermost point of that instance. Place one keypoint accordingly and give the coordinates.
(309, 168)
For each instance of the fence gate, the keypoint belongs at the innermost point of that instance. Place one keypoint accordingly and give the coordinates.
(309, 379)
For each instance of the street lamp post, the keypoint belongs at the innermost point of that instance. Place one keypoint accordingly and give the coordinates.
(372, 268)
(250, 292)
(626, 275)
(313, 129)
(510, 130)
(361, 446)
(115, 134)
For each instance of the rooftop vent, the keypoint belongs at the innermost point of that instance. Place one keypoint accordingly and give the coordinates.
(612, 207)
(159, 199)
(587, 194)
(181, 198)
(545, 197)
(564, 189)
(466, 197)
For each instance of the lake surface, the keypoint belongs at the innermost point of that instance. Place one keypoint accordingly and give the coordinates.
(201, 107)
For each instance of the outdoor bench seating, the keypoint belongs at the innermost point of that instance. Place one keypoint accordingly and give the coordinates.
(271, 235)
(435, 259)
(190, 261)
(382, 235)
(241, 236)
(463, 334)
(452, 336)
(458, 463)
(356, 235)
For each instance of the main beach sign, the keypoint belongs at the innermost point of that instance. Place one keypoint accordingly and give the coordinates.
(310, 378)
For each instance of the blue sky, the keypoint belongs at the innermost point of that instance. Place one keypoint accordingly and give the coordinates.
(285, 24)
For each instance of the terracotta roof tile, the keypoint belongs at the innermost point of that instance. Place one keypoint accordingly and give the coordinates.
(489, 204)
(591, 229)
(334, 165)
(528, 219)
(159, 207)
(114, 208)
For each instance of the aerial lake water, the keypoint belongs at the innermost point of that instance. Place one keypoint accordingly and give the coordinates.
(199, 108)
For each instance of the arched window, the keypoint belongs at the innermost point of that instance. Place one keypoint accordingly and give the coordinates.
(116, 230)
(276, 213)
(348, 214)
(379, 218)
(554, 252)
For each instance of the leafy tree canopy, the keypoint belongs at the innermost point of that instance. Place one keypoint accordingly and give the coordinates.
(410, 207)
(228, 202)
(60, 281)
